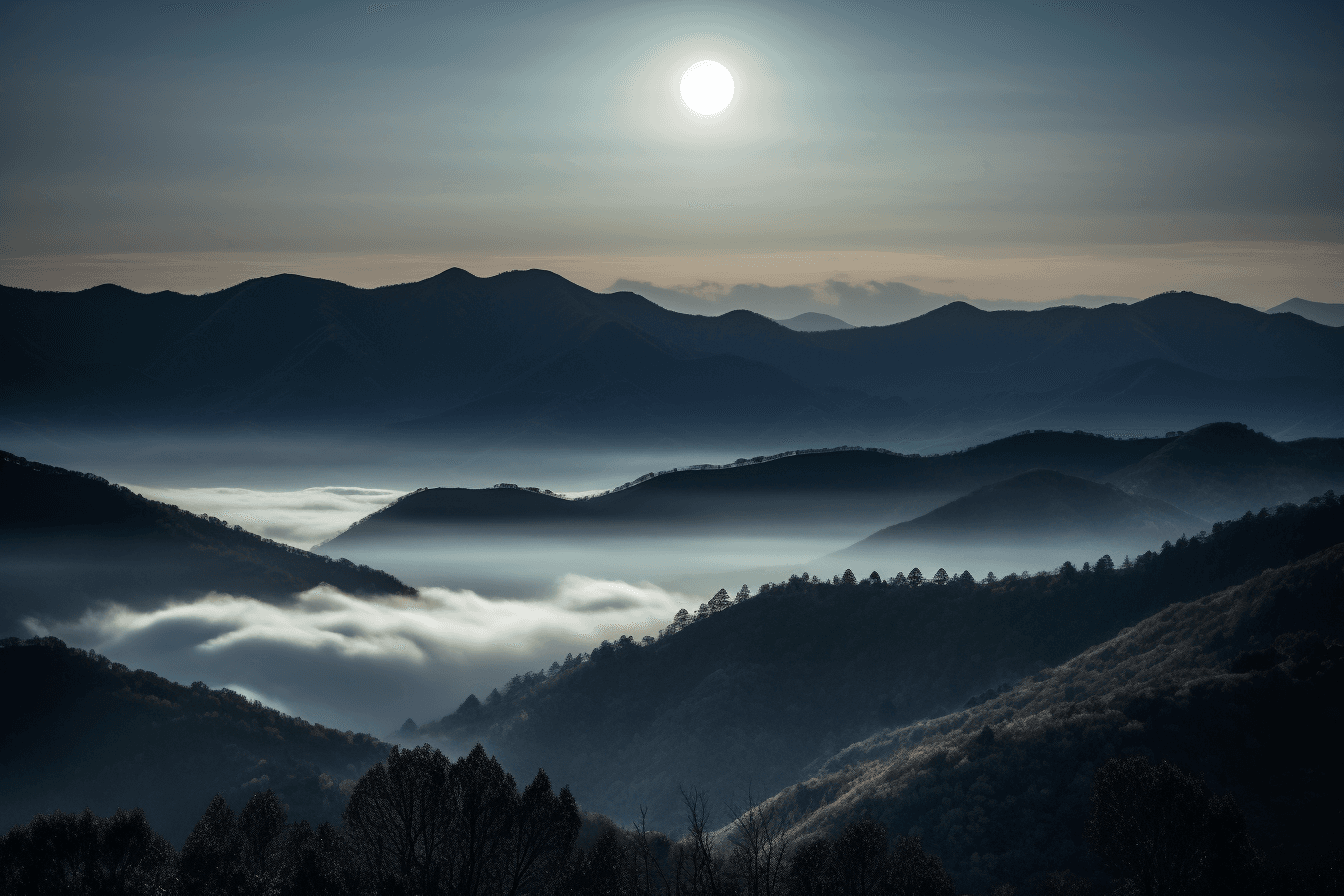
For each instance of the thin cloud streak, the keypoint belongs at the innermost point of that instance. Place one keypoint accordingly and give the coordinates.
(367, 663)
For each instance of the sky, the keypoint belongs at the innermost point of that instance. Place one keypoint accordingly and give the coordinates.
(994, 151)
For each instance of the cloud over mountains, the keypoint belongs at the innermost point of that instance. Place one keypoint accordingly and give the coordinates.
(355, 662)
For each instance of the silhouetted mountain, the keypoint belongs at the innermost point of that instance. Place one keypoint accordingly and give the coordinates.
(959, 350)
(813, 322)
(1042, 504)
(794, 491)
(82, 731)
(1239, 686)
(763, 689)
(621, 385)
(1329, 313)
(1148, 392)
(69, 539)
(531, 355)
(1223, 469)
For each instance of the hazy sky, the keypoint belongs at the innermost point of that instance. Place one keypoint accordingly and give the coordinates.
(993, 150)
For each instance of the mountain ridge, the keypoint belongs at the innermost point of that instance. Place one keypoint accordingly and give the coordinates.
(304, 349)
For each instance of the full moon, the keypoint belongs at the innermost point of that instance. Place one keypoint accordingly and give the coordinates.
(707, 88)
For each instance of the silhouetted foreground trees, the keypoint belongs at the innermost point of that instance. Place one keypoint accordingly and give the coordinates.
(421, 824)
(1161, 829)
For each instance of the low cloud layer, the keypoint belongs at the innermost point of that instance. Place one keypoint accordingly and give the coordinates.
(368, 664)
(302, 518)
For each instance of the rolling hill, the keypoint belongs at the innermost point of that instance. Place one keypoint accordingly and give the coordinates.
(1039, 505)
(1224, 469)
(1207, 473)
(70, 539)
(86, 732)
(854, 487)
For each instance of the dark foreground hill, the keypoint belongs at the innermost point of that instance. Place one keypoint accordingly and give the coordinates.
(1222, 469)
(81, 731)
(68, 539)
(761, 691)
(1241, 687)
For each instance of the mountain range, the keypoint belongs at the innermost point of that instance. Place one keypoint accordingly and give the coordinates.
(1217, 470)
(528, 355)
(792, 491)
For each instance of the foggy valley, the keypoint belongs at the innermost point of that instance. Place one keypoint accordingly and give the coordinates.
(596, 449)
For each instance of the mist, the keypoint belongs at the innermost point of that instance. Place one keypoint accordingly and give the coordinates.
(355, 663)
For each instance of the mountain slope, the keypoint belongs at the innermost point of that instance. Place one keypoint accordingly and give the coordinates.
(1329, 313)
(68, 539)
(1237, 686)
(87, 732)
(764, 690)
(1041, 504)
(1224, 469)
(618, 385)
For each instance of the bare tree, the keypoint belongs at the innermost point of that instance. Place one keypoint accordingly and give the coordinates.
(761, 848)
(647, 867)
(699, 866)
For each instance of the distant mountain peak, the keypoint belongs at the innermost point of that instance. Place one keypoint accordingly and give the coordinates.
(953, 310)
(814, 322)
(1329, 313)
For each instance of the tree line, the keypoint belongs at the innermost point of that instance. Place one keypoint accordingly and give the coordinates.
(419, 823)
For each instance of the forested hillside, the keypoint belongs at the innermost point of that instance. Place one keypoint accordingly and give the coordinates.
(82, 731)
(1223, 469)
(1241, 687)
(68, 539)
(1037, 790)
(763, 689)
